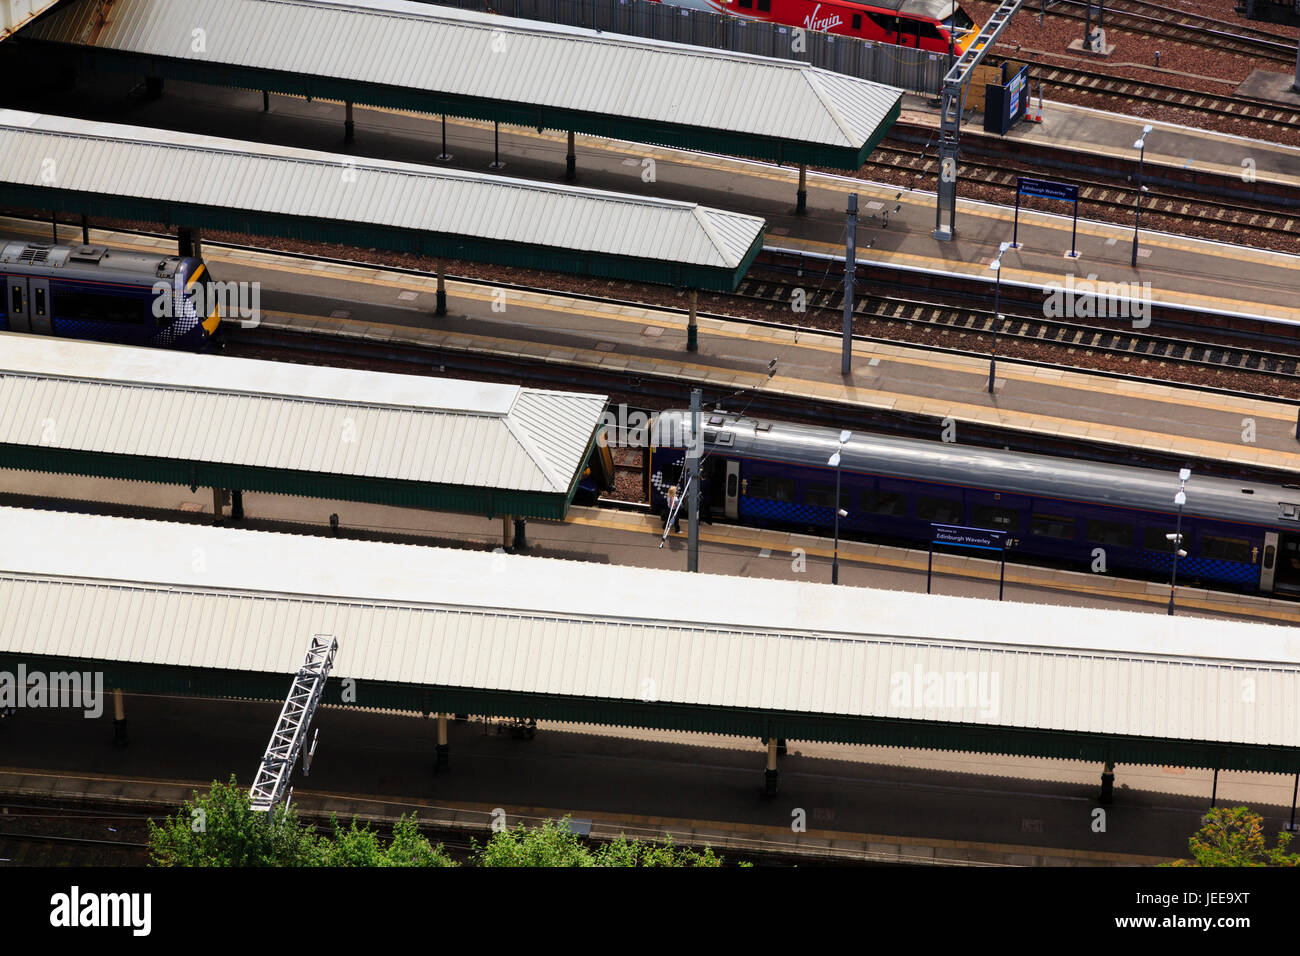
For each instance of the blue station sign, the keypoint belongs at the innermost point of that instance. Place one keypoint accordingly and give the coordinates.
(983, 538)
(1046, 189)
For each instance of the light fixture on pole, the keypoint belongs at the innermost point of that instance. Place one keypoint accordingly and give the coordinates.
(834, 462)
(996, 266)
(1180, 499)
(1141, 147)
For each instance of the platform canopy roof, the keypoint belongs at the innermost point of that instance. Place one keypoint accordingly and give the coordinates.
(342, 434)
(436, 59)
(109, 170)
(432, 629)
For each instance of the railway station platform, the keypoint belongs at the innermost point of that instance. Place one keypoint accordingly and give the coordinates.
(895, 226)
(382, 307)
(869, 804)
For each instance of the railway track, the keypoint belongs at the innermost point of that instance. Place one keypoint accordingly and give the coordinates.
(874, 310)
(1178, 26)
(1267, 221)
(944, 308)
(1159, 94)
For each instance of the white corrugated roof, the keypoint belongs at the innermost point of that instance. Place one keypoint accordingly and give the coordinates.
(114, 399)
(117, 589)
(15, 13)
(465, 53)
(105, 158)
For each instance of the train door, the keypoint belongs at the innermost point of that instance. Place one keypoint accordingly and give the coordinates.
(732, 492)
(1268, 563)
(16, 293)
(1286, 570)
(38, 306)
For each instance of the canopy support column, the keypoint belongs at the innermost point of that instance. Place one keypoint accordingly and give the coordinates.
(692, 330)
(443, 751)
(570, 161)
(119, 718)
(441, 307)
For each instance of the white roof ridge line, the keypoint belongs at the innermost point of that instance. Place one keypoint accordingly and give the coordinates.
(544, 465)
(249, 393)
(814, 84)
(702, 217)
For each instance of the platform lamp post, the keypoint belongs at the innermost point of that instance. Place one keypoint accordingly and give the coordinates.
(1141, 147)
(1180, 499)
(996, 266)
(834, 462)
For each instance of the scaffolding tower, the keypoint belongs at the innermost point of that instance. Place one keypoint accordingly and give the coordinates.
(272, 780)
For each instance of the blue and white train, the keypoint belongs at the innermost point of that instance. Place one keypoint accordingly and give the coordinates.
(90, 292)
(1236, 536)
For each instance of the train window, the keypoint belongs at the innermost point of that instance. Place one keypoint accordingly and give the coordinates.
(38, 296)
(857, 21)
(747, 4)
(764, 6)
(997, 519)
(819, 496)
(99, 308)
(778, 489)
(926, 31)
(1052, 526)
(1153, 539)
(938, 510)
(1269, 554)
(884, 503)
(1110, 532)
(16, 291)
(883, 20)
(959, 20)
(1226, 549)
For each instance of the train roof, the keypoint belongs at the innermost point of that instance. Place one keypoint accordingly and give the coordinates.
(1118, 486)
(71, 262)
(930, 9)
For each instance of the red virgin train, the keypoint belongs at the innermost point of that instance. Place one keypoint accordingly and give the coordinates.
(925, 24)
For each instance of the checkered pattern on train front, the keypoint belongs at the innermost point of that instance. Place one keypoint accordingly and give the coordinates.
(1209, 569)
(125, 335)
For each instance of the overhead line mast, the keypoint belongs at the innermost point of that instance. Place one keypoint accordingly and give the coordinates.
(954, 98)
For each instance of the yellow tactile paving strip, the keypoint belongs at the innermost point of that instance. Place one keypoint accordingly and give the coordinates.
(864, 395)
(782, 543)
(721, 836)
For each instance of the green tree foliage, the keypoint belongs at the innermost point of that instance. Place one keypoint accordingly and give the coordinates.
(361, 846)
(220, 828)
(1235, 837)
(554, 844)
